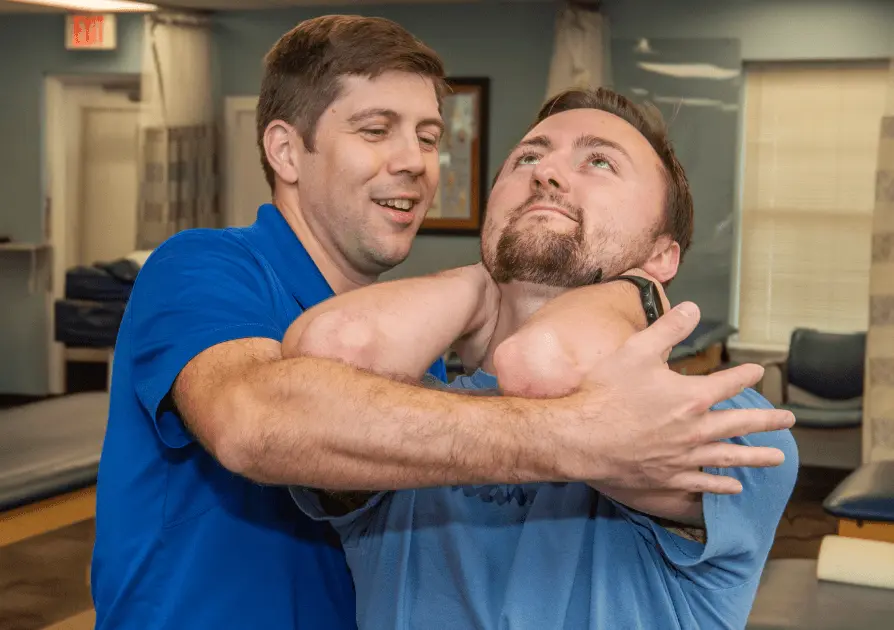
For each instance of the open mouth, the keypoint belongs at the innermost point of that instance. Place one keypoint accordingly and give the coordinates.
(396, 204)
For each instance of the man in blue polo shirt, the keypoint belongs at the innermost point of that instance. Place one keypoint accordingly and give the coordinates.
(208, 422)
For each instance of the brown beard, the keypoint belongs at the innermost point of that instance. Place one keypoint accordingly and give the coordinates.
(566, 260)
(543, 256)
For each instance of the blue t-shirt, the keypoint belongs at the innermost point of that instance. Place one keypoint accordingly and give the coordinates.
(559, 556)
(180, 541)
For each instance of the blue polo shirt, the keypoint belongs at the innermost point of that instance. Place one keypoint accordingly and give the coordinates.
(180, 541)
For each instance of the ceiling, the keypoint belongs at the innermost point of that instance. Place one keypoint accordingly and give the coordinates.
(242, 5)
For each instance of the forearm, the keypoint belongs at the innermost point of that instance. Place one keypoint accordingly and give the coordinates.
(396, 328)
(322, 424)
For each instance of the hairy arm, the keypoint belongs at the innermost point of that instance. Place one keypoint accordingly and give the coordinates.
(399, 328)
(323, 424)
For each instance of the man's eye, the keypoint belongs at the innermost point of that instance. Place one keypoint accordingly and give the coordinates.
(376, 132)
(428, 141)
(527, 159)
(601, 162)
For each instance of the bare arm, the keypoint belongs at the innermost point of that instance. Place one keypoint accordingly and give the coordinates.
(400, 328)
(324, 424)
(320, 423)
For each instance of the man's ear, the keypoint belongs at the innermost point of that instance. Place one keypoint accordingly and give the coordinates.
(665, 259)
(283, 145)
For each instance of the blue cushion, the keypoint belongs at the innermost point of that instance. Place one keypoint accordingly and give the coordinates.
(866, 494)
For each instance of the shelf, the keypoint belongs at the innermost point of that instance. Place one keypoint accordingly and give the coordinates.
(88, 355)
(32, 249)
(23, 247)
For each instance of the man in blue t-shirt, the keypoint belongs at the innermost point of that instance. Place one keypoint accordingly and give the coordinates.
(592, 191)
(209, 423)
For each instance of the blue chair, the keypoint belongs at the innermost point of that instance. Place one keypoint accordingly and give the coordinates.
(822, 385)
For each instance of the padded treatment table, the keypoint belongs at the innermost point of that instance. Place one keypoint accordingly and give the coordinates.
(49, 458)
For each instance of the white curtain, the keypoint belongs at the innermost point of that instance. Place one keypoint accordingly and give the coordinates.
(178, 182)
(581, 50)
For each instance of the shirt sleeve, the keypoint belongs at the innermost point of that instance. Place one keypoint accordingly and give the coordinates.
(740, 528)
(350, 526)
(199, 289)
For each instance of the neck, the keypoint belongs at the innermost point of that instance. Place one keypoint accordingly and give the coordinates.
(336, 269)
(518, 302)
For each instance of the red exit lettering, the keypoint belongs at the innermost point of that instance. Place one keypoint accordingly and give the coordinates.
(86, 30)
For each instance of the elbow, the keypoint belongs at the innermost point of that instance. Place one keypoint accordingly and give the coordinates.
(337, 336)
(236, 443)
(533, 364)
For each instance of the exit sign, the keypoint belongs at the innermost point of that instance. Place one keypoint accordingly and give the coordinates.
(90, 31)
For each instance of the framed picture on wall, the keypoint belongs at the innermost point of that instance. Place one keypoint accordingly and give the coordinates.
(458, 206)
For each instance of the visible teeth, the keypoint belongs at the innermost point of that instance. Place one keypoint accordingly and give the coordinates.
(398, 204)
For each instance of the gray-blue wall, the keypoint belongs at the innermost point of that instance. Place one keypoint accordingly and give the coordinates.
(32, 47)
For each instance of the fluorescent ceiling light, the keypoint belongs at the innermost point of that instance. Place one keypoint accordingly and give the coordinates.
(93, 6)
(697, 102)
(691, 70)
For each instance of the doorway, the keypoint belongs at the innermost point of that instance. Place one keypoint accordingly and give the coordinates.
(246, 187)
(92, 175)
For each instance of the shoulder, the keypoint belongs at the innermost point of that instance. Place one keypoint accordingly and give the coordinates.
(196, 258)
(207, 273)
(202, 244)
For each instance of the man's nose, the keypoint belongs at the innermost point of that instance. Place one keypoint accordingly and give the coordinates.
(407, 158)
(548, 178)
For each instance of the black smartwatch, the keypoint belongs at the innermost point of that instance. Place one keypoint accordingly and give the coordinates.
(648, 295)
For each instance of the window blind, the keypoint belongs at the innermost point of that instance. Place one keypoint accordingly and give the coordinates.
(811, 144)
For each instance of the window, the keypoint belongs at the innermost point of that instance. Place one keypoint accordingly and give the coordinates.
(811, 143)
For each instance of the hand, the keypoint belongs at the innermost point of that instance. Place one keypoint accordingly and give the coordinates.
(654, 427)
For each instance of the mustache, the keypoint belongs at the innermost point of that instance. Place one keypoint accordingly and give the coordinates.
(576, 212)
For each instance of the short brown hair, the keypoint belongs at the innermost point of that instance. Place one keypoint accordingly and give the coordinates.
(678, 219)
(303, 69)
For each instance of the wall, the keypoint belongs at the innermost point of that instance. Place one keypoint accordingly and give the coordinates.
(32, 47)
(703, 117)
(512, 44)
(768, 29)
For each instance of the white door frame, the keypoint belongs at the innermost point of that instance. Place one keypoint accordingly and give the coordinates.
(233, 107)
(59, 200)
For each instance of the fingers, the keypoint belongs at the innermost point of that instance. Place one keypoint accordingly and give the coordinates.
(671, 329)
(697, 481)
(726, 455)
(725, 384)
(730, 423)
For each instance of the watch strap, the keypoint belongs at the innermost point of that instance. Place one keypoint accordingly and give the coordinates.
(648, 294)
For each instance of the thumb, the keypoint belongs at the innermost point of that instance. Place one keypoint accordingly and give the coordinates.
(671, 329)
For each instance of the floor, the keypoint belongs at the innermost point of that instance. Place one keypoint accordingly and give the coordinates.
(44, 579)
